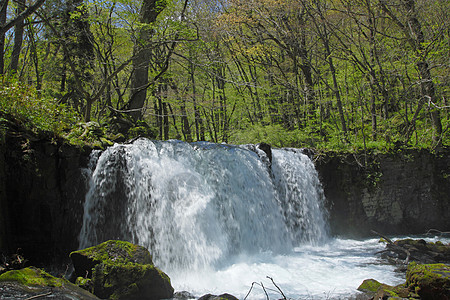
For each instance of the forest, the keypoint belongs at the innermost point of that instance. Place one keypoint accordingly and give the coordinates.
(356, 75)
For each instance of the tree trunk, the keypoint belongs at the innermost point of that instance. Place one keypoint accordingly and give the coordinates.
(142, 52)
(415, 37)
(18, 38)
(3, 9)
(34, 56)
(426, 81)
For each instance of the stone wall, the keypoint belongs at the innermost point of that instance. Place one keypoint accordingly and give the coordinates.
(403, 193)
(42, 190)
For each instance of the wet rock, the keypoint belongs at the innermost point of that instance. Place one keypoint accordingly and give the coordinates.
(33, 282)
(220, 297)
(429, 281)
(378, 290)
(267, 149)
(114, 251)
(423, 281)
(183, 295)
(121, 270)
(419, 251)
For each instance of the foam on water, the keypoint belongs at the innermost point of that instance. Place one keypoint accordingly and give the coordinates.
(331, 271)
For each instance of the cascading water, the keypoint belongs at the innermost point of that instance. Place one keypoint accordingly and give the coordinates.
(217, 218)
(197, 205)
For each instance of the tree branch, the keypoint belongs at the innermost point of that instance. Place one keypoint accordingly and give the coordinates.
(31, 9)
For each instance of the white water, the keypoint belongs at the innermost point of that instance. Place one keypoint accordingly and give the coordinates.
(216, 219)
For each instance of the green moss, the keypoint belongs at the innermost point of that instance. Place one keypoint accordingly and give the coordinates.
(369, 286)
(115, 251)
(118, 280)
(428, 279)
(32, 276)
(372, 287)
(81, 281)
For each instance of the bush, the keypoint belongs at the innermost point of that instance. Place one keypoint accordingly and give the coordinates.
(36, 113)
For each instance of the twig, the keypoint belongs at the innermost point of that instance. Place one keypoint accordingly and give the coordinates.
(437, 231)
(249, 291)
(39, 296)
(265, 292)
(284, 297)
(384, 237)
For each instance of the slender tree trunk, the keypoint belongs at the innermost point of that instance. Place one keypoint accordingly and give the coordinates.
(34, 56)
(18, 38)
(3, 9)
(197, 118)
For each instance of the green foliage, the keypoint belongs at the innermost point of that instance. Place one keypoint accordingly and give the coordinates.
(34, 112)
(142, 129)
(90, 133)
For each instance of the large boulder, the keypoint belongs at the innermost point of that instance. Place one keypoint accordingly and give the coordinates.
(378, 290)
(120, 270)
(32, 283)
(423, 281)
(431, 281)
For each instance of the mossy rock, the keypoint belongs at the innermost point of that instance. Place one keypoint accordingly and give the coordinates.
(32, 276)
(31, 282)
(121, 270)
(378, 290)
(429, 281)
(130, 281)
(113, 251)
(370, 286)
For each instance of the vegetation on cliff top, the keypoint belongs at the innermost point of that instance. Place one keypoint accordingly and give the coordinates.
(336, 75)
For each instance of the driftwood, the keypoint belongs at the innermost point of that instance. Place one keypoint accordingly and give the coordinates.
(39, 296)
(392, 247)
(406, 250)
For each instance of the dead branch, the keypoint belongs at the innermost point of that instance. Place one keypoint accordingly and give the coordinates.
(392, 247)
(284, 297)
(38, 296)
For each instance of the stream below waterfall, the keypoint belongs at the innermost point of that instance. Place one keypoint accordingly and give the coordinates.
(225, 219)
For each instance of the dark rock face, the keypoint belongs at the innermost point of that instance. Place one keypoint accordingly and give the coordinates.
(408, 192)
(267, 149)
(42, 190)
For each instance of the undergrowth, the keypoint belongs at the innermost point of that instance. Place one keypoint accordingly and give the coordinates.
(31, 111)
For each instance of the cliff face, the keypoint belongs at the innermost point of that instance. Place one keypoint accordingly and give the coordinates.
(404, 193)
(42, 190)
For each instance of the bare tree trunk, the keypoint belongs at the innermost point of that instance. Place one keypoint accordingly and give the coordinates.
(34, 56)
(18, 38)
(3, 9)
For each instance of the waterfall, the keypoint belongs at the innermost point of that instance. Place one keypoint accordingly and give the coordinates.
(198, 205)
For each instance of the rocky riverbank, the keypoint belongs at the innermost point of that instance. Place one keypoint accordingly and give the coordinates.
(427, 267)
